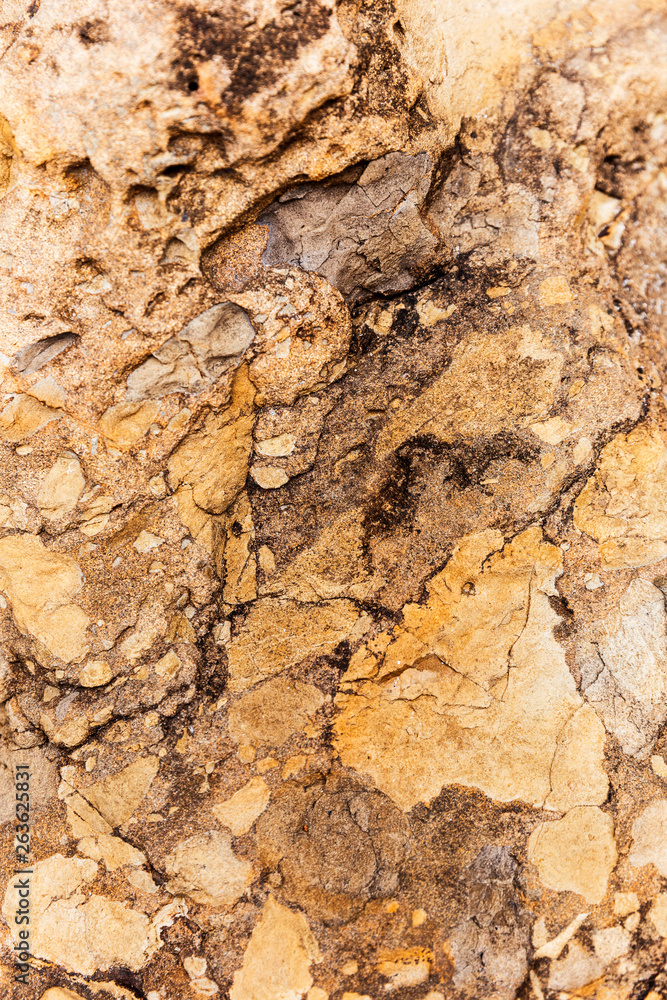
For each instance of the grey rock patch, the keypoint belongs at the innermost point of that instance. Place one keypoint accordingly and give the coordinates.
(624, 668)
(29, 359)
(198, 354)
(364, 233)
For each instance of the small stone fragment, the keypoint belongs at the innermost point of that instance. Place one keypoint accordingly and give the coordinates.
(24, 416)
(269, 477)
(649, 832)
(555, 291)
(579, 968)
(279, 633)
(272, 711)
(277, 961)
(118, 796)
(658, 913)
(126, 423)
(84, 933)
(141, 880)
(48, 391)
(576, 853)
(552, 949)
(283, 444)
(146, 541)
(39, 585)
(112, 850)
(625, 657)
(205, 868)
(214, 460)
(611, 943)
(240, 811)
(62, 487)
(95, 674)
(624, 504)
(625, 903)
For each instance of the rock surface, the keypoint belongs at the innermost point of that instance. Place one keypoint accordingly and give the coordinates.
(333, 499)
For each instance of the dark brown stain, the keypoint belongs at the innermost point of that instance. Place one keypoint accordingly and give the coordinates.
(256, 58)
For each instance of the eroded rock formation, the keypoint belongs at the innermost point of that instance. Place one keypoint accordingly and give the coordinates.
(333, 498)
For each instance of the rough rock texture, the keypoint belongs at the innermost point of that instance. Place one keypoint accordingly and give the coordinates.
(333, 498)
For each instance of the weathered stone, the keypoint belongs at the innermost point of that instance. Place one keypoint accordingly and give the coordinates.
(214, 460)
(62, 487)
(576, 853)
(474, 690)
(364, 233)
(658, 914)
(624, 667)
(112, 850)
(126, 423)
(205, 868)
(279, 634)
(335, 846)
(576, 970)
(106, 804)
(409, 967)
(272, 711)
(278, 957)
(332, 501)
(649, 833)
(24, 416)
(84, 933)
(204, 344)
(39, 585)
(240, 811)
(624, 506)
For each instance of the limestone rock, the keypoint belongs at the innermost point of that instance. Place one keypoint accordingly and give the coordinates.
(62, 487)
(576, 853)
(474, 689)
(24, 416)
(409, 967)
(126, 423)
(112, 850)
(280, 633)
(43, 779)
(39, 585)
(468, 399)
(204, 344)
(491, 954)
(240, 811)
(333, 544)
(103, 805)
(624, 505)
(83, 933)
(576, 970)
(365, 233)
(270, 712)
(649, 833)
(611, 943)
(214, 460)
(624, 667)
(658, 914)
(205, 868)
(278, 957)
